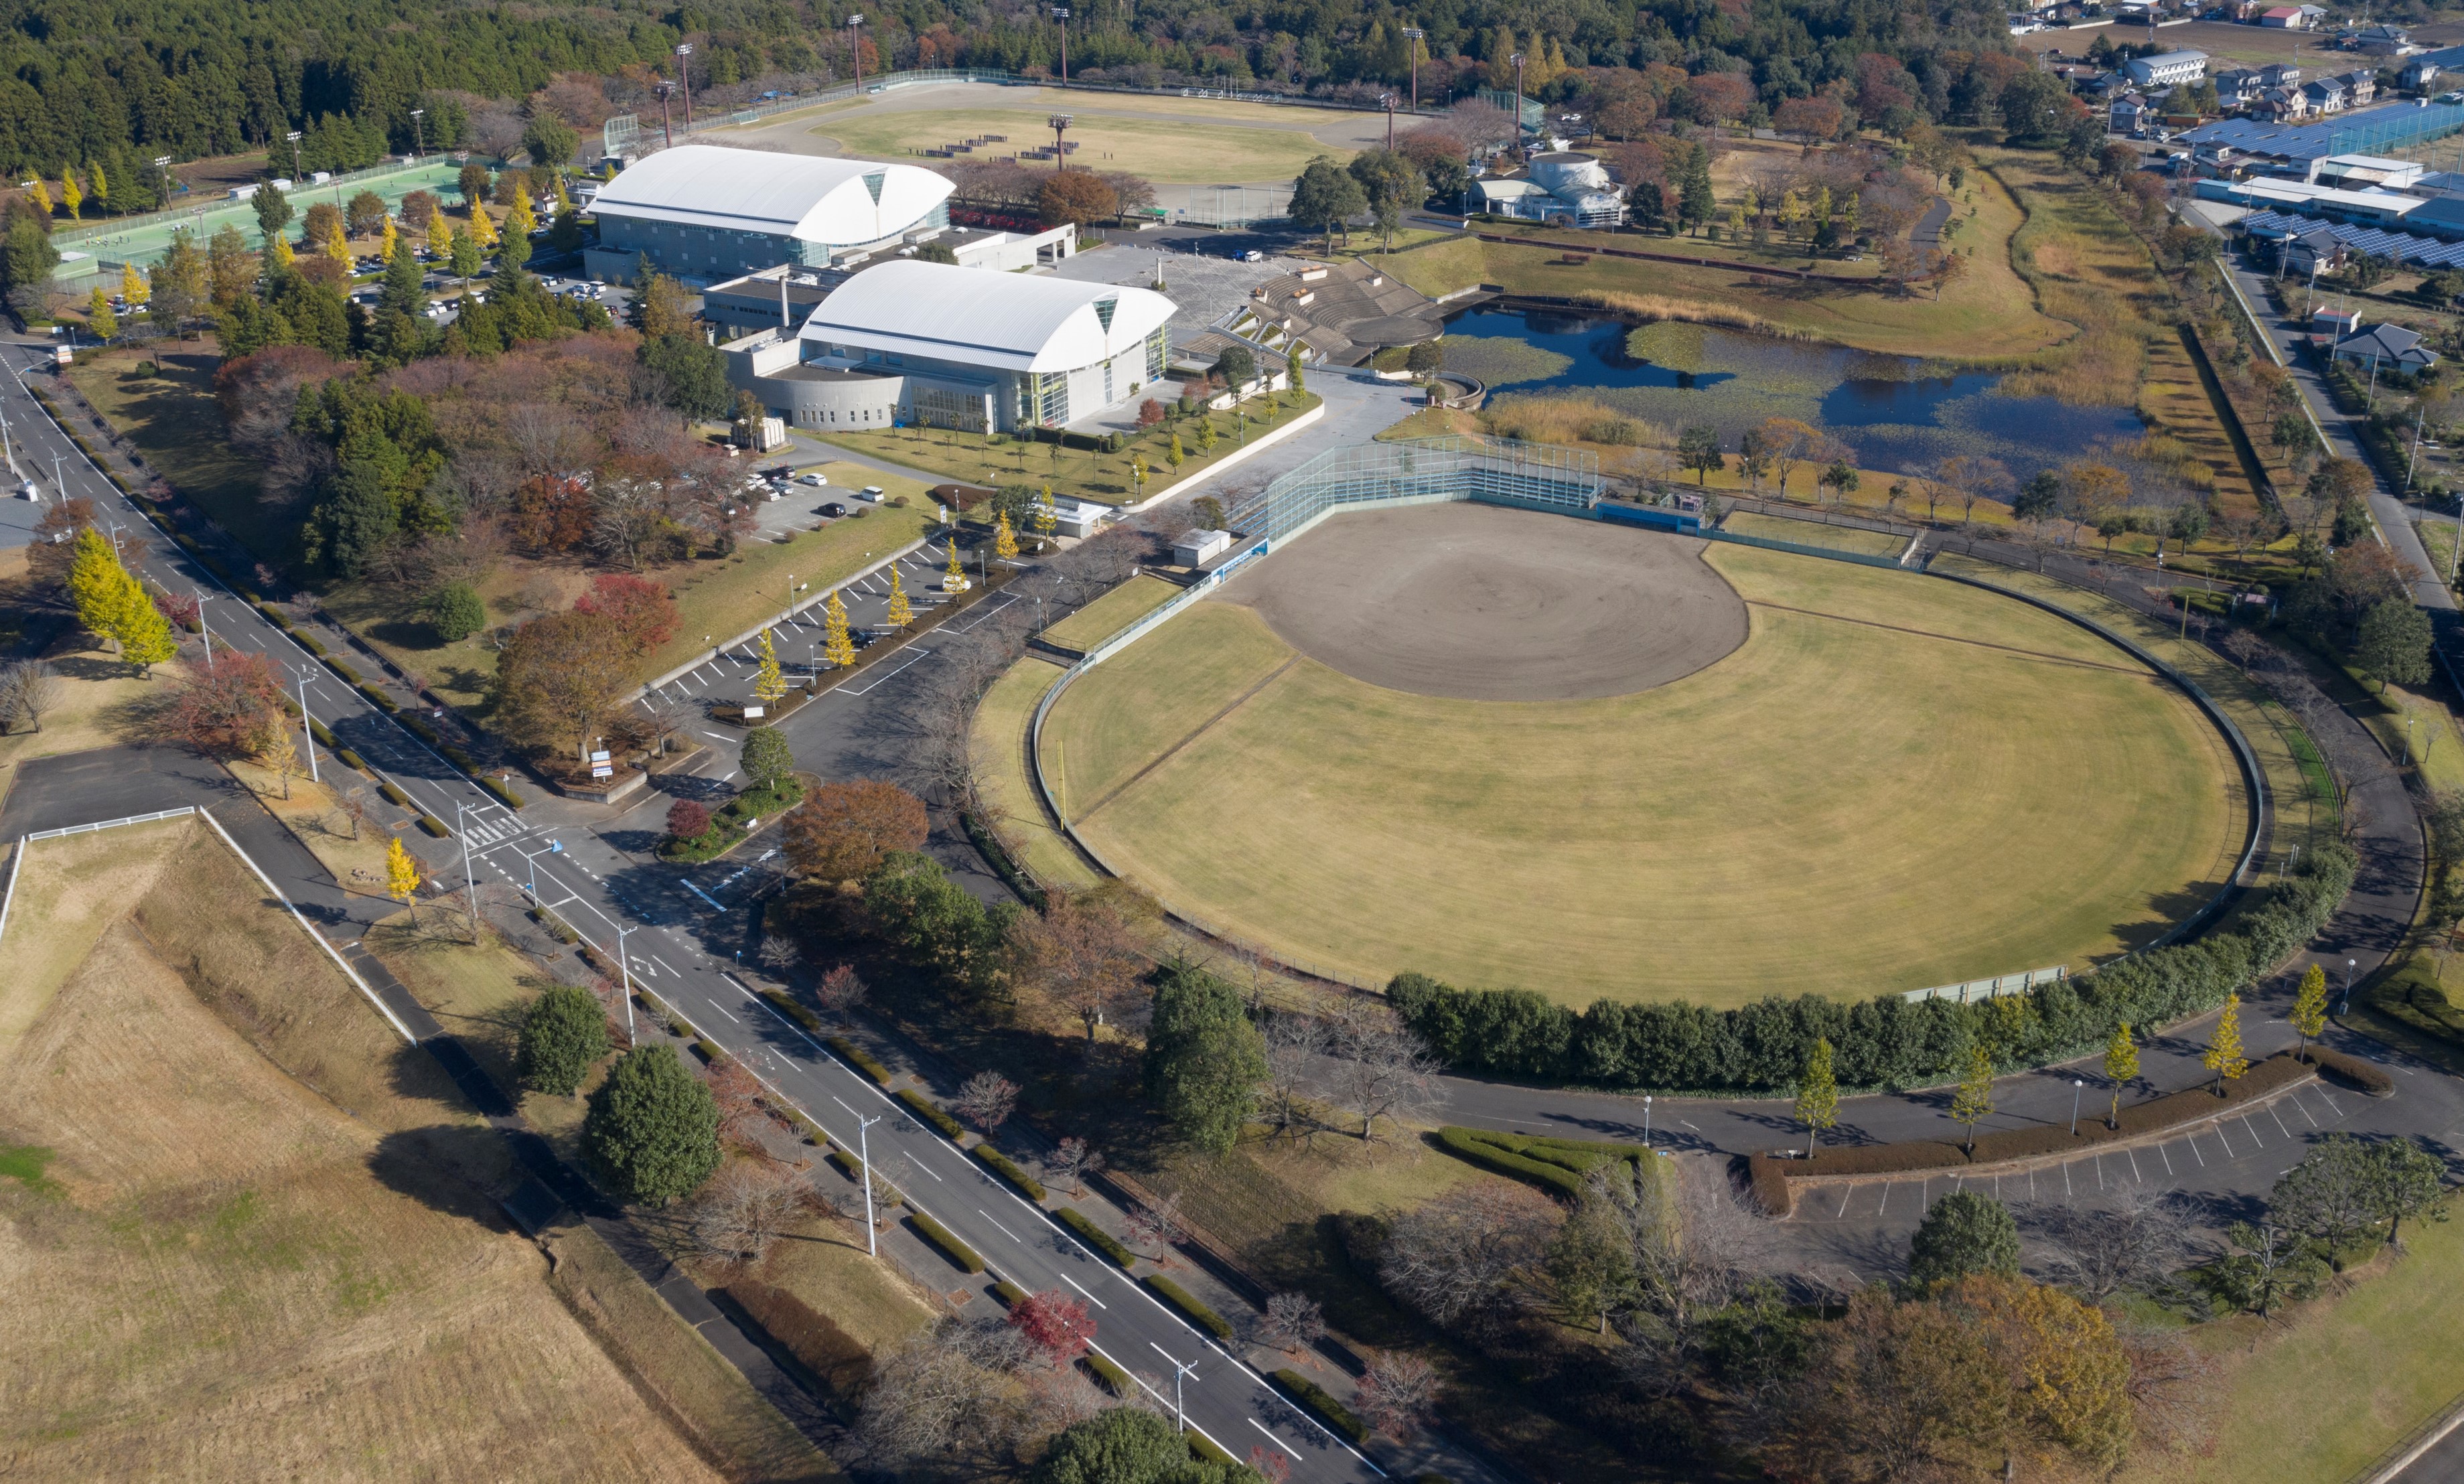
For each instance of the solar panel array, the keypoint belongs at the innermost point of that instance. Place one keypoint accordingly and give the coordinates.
(2394, 247)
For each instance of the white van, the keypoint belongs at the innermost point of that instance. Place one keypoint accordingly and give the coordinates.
(872, 493)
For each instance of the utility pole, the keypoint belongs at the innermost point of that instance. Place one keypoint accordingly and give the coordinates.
(855, 47)
(1179, 1373)
(1519, 156)
(863, 1160)
(1414, 35)
(667, 124)
(1059, 123)
(205, 631)
(684, 76)
(418, 133)
(1060, 13)
(1388, 99)
(470, 881)
(624, 971)
(306, 733)
(294, 138)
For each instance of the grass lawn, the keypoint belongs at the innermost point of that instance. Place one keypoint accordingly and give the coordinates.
(313, 815)
(2334, 1382)
(717, 597)
(173, 420)
(1807, 532)
(1078, 473)
(480, 993)
(1111, 613)
(1796, 815)
(1000, 723)
(1178, 153)
(1437, 268)
(99, 698)
(272, 1236)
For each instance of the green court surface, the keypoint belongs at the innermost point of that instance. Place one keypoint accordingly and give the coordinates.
(1895, 782)
(141, 240)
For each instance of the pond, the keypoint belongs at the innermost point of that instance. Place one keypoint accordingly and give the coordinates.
(1897, 412)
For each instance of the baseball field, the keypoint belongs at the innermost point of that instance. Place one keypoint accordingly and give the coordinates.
(1515, 749)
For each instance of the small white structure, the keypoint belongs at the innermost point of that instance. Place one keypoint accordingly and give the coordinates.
(1196, 548)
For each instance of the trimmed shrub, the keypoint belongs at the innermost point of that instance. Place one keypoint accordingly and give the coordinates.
(1001, 1164)
(1097, 1236)
(1203, 1450)
(1556, 1166)
(350, 759)
(846, 1164)
(860, 1059)
(555, 926)
(1886, 1042)
(1114, 1379)
(792, 1011)
(1317, 1399)
(710, 1054)
(951, 1247)
(349, 675)
(1008, 1293)
(322, 733)
(308, 642)
(434, 826)
(929, 1111)
(503, 793)
(2360, 1076)
(1190, 1305)
(378, 699)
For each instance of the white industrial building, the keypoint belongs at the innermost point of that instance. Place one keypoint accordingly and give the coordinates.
(707, 213)
(1565, 186)
(905, 341)
(2166, 70)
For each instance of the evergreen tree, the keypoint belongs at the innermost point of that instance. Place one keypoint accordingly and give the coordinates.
(273, 211)
(402, 294)
(2224, 1055)
(2310, 1007)
(2407, 1180)
(1974, 1102)
(456, 612)
(465, 257)
(1204, 1059)
(514, 250)
(768, 761)
(652, 1134)
(1964, 1233)
(562, 1036)
(1695, 203)
(1817, 1095)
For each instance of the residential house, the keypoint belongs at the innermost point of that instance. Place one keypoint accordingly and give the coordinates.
(2420, 73)
(2129, 114)
(2376, 39)
(2387, 347)
(2236, 87)
(2316, 251)
(2327, 96)
(2293, 17)
(2166, 70)
(2282, 105)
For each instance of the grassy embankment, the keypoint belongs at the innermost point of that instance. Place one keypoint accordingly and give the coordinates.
(1293, 821)
(1183, 153)
(1085, 474)
(262, 1226)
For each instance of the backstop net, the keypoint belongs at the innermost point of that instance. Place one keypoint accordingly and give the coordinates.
(1421, 472)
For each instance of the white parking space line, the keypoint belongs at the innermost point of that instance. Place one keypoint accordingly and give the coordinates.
(2219, 1128)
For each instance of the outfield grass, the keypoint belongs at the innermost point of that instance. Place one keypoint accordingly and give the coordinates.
(1172, 153)
(1841, 806)
(1111, 613)
(1810, 532)
(268, 1241)
(1000, 723)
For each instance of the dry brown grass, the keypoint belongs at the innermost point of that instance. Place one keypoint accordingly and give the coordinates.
(1658, 306)
(269, 1248)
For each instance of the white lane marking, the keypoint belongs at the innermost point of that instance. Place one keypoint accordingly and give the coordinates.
(1090, 1297)
(722, 1009)
(996, 1221)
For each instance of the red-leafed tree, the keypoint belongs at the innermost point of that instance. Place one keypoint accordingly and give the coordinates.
(1055, 1324)
(552, 514)
(224, 710)
(687, 818)
(643, 611)
(842, 830)
(179, 608)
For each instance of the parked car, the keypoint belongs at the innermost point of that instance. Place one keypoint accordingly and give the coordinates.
(872, 493)
(1253, 255)
(815, 478)
(833, 509)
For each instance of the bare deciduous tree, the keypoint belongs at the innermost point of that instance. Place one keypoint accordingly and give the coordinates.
(1471, 1257)
(779, 952)
(987, 1099)
(1292, 1323)
(1156, 1223)
(1083, 953)
(1377, 1069)
(28, 689)
(1073, 1159)
(841, 992)
(1396, 1393)
(1296, 1050)
(746, 1208)
(2137, 1241)
(948, 1396)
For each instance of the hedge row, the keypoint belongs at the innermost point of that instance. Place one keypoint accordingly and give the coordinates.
(846, 1164)
(711, 1055)
(1114, 1379)
(1199, 1312)
(393, 795)
(951, 1248)
(378, 699)
(1317, 1399)
(1556, 1166)
(350, 759)
(861, 1058)
(1887, 1042)
(555, 926)
(792, 1011)
(1003, 1165)
(503, 791)
(1204, 1450)
(2155, 1116)
(323, 734)
(433, 825)
(1097, 1236)
(2360, 1076)
(929, 1111)
(1008, 1293)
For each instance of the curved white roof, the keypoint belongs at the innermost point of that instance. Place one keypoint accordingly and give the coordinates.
(1011, 322)
(837, 202)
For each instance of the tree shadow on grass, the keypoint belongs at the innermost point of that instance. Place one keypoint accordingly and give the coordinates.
(449, 1168)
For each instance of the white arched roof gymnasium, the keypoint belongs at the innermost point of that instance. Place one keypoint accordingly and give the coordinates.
(836, 202)
(1013, 321)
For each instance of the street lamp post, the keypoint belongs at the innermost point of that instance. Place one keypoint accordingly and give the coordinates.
(470, 881)
(864, 1158)
(2346, 1002)
(1180, 1372)
(1061, 14)
(624, 971)
(1388, 101)
(1518, 107)
(418, 133)
(855, 45)
(1646, 1121)
(206, 632)
(2075, 1087)
(667, 122)
(684, 77)
(1414, 35)
(307, 735)
(294, 138)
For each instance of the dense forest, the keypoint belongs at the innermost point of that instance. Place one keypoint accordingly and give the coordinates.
(88, 84)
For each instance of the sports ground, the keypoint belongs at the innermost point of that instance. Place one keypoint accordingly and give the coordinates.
(1510, 748)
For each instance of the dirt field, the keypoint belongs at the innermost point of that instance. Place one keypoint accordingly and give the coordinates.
(1488, 604)
(264, 1246)
(1893, 783)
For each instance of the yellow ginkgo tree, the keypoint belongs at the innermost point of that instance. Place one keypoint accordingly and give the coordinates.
(901, 612)
(769, 685)
(838, 645)
(402, 877)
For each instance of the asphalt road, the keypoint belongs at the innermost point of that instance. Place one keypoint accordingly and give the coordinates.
(678, 936)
